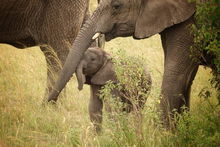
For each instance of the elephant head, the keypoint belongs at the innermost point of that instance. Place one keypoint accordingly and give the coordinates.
(95, 68)
(121, 18)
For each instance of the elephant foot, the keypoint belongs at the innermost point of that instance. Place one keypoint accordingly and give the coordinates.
(98, 129)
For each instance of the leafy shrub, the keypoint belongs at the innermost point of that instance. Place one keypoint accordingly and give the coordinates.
(207, 38)
(199, 128)
(135, 128)
(133, 82)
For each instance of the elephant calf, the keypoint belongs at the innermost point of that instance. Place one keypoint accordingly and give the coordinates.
(95, 69)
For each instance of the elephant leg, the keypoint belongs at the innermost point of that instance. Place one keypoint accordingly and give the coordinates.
(176, 92)
(55, 59)
(95, 108)
(179, 71)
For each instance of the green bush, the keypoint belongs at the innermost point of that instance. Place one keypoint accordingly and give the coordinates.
(135, 128)
(199, 128)
(207, 38)
(134, 83)
(207, 33)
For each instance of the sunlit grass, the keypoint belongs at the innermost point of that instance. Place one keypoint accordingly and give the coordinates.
(24, 121)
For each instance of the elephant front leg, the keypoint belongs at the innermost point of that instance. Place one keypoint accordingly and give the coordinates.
(95, 108)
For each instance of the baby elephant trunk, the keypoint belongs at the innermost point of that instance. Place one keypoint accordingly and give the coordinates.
(80, 76)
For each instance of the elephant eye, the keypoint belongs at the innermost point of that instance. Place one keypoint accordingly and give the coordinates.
(92, 59)
(116, 6)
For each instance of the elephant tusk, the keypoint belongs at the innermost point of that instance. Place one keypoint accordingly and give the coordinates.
(96, 36)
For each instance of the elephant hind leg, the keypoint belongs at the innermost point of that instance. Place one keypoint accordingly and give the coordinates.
(176, 95)
(189, 83)
(53, 65)
(179, 71)
(55, 59)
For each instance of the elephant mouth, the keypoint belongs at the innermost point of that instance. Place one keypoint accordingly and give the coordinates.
(109, 36)
(119, 30)
(88, 72)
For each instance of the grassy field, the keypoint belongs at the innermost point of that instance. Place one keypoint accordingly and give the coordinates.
(25, 122)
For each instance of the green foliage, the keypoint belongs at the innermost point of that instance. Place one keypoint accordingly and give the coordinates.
(134, 83)
(207, 37)
(203, 129)
(129, 129)
(207, 32)
(198, 128)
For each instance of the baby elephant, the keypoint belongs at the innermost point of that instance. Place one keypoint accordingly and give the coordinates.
(95, 69)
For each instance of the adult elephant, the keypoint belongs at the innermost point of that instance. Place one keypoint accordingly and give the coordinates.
(50, 24)
(142, 19)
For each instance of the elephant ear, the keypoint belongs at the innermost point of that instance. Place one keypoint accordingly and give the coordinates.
(105, 73)
(156, 15)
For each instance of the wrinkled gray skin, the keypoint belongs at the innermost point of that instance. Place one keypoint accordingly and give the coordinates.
(48, 24)
(142, 19)
(95, 69)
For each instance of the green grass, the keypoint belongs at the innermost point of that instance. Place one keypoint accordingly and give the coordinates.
(25, 122)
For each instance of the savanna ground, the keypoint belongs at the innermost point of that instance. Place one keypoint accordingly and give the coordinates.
(25, 122)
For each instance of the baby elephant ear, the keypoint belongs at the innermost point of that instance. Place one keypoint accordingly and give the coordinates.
(105, 73)
(157, 15)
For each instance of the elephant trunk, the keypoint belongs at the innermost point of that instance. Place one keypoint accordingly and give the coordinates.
(81, 44)
(80, 76)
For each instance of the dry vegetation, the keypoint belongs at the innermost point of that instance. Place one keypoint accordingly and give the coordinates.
(25, 122)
